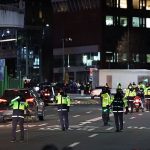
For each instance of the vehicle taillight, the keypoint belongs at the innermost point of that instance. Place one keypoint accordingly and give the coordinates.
(46, 94)
(30, 100)
(137, 100)
(3, 100)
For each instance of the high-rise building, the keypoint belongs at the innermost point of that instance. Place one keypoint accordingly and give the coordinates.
(30, 23)
(106, 34)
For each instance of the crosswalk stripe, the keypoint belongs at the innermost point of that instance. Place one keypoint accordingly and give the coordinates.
(76, 116)
(109, 128)
(93, 135)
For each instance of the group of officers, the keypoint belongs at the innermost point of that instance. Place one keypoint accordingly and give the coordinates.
(19, 105)
(121, 101)
(117, 102)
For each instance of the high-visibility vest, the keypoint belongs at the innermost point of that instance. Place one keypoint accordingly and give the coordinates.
(106, 100)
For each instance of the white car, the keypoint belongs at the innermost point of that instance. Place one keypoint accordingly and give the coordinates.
(96, 92)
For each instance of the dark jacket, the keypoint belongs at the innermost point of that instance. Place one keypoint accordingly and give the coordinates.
(118, 103)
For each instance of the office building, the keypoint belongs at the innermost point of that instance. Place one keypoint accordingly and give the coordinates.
(106, 34)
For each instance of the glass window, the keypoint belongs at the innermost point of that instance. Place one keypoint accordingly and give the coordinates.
(123, 21)
(148, 5)
(142, 4)
(40, 14)
(123, 3)
(147, 22)
(148, 58)
(109, 3)
(135, 4)
(109, 20)
(135, 22)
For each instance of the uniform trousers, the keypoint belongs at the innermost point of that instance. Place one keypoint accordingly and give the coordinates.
(118, 116)
(15, 122)
(105, 115)
(64, 122)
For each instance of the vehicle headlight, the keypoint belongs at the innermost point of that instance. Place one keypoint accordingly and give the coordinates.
(41, 103)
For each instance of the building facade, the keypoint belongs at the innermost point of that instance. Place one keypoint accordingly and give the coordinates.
(106, 34)
(29, 22)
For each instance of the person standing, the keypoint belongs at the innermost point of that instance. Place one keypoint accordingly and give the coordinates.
(105, 104)
(118, 104)
(129, 95)
(63, 105)
(18, 105)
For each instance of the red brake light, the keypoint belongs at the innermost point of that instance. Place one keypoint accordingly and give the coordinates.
(3, 100)
(46, 94)
(30, 100)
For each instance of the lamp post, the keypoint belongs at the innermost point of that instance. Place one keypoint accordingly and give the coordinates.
(63, 55)
(44, 32)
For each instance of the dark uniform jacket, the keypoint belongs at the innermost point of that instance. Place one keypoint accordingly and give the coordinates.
(118, 103)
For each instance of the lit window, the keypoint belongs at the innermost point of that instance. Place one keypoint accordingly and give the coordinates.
(135, 4)
(109, 20)
(84, 59)
(40, 14)
(148, 58)
(109, 3)
(135, 22)
(123, 3)
(123, 21)
(147, 22)
(148, 5)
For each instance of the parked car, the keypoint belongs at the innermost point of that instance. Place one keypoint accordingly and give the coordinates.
(36, 104)
(96, 92)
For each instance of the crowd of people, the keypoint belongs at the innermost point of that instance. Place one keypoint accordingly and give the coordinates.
(118, 102)
(121, 101)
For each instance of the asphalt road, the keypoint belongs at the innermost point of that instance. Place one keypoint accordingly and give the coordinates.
(86, 131)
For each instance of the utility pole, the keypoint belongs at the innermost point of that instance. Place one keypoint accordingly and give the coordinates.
(63, 58)
(63, 55)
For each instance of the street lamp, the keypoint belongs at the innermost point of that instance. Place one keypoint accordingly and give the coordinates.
(63, 54)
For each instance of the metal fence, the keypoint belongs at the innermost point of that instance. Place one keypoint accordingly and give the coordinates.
(9, 82)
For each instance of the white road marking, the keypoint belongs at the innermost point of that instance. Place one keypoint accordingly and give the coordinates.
(129, 127)
(74, 144)
(91, 129)
(93, 135)
(92, 120)
(142, 127)
(109, 128)
(32, 125)
(132, 118)
(140, 114)
(83, 123)
(88, 112)
(42, 124)
(76, 116)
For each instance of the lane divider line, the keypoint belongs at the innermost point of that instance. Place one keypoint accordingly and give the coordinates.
(76, 116)
(74, 144)
(109, 128)
(93, 135)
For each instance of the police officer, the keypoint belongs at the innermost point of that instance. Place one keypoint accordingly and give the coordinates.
(118, 105)
(105, 103)
(18, 105)
(63, 104)
(129, 96)
(147, 97)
